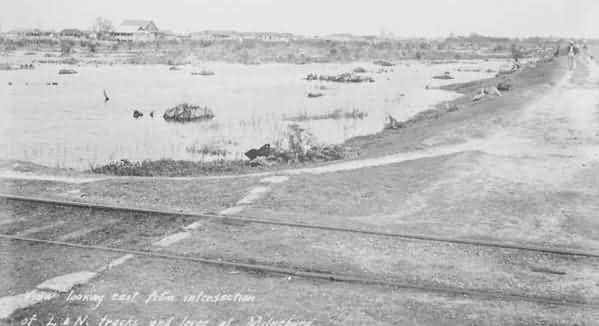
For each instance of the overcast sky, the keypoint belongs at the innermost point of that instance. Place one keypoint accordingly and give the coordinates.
(577, 18)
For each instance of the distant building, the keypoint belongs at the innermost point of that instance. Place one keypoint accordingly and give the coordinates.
(340, 37)
(104, 35)
(136, 31)
(29, 34)
(18, 33)
(247, 36)
(216, 36)
(274, 37)
(71, 33)
(222, 36)
(346, 38)
(22, 33)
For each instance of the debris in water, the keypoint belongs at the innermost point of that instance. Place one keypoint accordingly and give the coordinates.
(262, 151)
(203, 73)
(341, 78)
(446, 75)
(186, 112)
(67, 72)
(137, 114)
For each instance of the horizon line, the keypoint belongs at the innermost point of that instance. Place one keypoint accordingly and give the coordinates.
(388, 34)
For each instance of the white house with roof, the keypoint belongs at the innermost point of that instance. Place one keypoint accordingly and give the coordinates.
(137, 31)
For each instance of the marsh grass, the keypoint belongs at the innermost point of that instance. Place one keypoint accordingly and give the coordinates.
(207, 150)
(171, 168)
(337, 114)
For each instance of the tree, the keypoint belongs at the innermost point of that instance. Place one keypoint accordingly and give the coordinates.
(103, 25)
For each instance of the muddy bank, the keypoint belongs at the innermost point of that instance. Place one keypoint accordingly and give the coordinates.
(275, 160)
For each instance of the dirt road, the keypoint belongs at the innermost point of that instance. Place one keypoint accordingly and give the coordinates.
(529, 176)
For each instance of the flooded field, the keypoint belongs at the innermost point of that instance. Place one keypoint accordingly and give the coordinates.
(71, 125)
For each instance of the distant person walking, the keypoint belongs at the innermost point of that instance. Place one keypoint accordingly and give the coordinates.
(572, 52)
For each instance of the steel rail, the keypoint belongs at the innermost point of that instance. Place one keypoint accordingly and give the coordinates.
(247, 219)
(356, 279)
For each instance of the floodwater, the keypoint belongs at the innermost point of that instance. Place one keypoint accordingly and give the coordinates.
(70, 124)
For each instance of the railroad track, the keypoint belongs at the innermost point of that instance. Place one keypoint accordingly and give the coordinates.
(357, 279)
(299, 271)
(249, 219)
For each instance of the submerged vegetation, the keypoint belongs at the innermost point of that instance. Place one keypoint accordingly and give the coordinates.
(337, 114)
(208, 150)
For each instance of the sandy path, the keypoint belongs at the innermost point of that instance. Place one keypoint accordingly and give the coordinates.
(561, 130)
